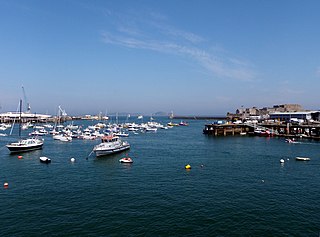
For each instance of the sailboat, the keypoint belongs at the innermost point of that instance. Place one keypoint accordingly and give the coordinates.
(23, 145)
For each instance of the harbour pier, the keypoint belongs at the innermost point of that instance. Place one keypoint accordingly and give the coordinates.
(296, 130)
(309, 131)
(227, 129)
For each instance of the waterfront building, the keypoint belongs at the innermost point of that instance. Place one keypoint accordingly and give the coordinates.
(296, 116)
(10, 117)
(263, 113)
(288, 108)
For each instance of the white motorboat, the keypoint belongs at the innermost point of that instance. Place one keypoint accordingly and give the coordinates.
(121, 134)
(150, 129)
(62, 137)
(109, 145)
(49, 126)
(4, 126)
(87, 136)
(40, 132)
(54, 132)
(27, 144)
(72, 127)
(23, 145)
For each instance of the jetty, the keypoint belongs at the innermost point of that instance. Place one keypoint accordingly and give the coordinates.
(227, 129)
(310, 131)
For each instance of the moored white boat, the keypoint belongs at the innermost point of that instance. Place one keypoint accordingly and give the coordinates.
(4, 126)
(121, 134)
(87, 136)
(49, 126)
(109, 145)
(23, 145)
(27, 144)
(40, 132)
(150, 129)
(62, 137)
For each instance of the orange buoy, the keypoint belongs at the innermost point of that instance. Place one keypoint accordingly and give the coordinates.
(20, 157)
(5, 185)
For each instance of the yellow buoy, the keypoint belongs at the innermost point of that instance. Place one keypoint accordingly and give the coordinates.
(188, 166)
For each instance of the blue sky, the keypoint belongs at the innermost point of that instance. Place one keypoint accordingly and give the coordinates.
(195, 57)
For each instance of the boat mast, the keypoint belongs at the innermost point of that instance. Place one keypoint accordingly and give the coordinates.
(20, 118)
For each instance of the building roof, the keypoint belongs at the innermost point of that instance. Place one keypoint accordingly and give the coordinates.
(294, 113)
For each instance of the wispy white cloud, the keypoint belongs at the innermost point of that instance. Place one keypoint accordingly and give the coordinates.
(167, 39)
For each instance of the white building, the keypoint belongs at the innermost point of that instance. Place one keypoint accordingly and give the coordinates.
(25, 117)
(288, 116)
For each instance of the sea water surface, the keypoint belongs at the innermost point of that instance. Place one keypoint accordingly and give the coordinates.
(236, 187)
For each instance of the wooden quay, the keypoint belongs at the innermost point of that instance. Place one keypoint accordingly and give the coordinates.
(227, 129)
(311, 131)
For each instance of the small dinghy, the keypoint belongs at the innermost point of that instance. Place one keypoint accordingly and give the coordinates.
(45, 159)
(302, 158)
(126, 160)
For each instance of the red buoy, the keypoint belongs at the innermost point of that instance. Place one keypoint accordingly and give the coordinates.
(5, 185)
(19, 157)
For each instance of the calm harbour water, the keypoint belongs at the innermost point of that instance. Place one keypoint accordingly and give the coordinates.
(241, 189)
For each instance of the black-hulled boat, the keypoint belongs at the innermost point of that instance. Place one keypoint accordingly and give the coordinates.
(23, 145)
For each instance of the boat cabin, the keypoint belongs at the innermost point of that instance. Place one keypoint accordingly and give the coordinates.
(109, 138)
